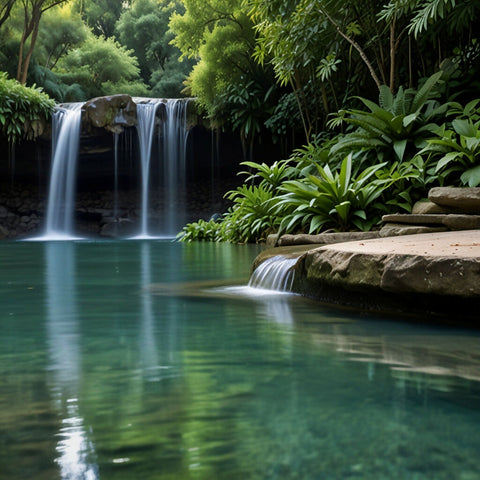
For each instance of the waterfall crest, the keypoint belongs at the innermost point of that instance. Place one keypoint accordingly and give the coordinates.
(275, 273)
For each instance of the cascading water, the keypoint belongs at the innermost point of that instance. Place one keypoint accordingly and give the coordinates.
(61, 196)
(165, 146)
(275, 273)
(145, 127)
(174, 136)
(172, 141)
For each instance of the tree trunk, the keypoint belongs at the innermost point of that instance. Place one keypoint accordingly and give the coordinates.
(30, 30)
(392, 55)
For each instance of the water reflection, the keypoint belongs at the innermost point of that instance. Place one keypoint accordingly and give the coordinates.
(147, 345)
(74, 449)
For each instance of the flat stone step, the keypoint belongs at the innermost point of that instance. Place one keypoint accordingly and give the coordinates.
(320, 239)
(428, 207)
(451, 221)
(466, 199)
(396, 229)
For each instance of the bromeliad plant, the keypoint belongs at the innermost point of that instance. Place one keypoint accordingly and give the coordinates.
(335, 199)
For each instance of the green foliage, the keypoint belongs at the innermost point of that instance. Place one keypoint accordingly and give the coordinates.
(456, 150)
(394, 128)
(336, 199)
(252, 216)
(99, 63)
(220, 35)
(144, 29)
(61, 30)
(102, 15)
(272, 176)
(22, 109)
(200, 231)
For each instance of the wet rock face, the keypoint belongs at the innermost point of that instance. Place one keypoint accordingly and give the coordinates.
(113, 113)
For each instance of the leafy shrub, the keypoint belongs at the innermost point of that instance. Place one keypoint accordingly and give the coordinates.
(456, 150)
(252, 216)
(334, 199)
(198, 231)
(393, 129)
(22, 109)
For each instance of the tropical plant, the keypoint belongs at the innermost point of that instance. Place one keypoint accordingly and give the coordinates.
(200, 231)
(336, 199)
(456, 151)
(252, 216)
(22, 109)
(394, 128)
(272, 176)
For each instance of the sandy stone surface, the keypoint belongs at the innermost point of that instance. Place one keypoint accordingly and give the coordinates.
(464, 243)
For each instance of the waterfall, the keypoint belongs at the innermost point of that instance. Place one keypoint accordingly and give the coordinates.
(162, 139)
(275, 273)
(171, 158)
(145, 127)
(174, 136)
(61, 196)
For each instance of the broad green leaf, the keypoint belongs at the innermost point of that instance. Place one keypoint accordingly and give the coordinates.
(471, 177)
(464, 127)
(399, 147)
(445, 160)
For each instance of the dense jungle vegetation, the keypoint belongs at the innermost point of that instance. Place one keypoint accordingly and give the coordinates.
(381, 94)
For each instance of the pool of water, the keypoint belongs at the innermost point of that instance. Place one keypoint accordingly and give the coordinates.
(145, 360)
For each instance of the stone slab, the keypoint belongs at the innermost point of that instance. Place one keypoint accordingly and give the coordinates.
(466, 199)
(428, 207)
(320, 239)
(443, 264)
(394, 229)
(451, 221)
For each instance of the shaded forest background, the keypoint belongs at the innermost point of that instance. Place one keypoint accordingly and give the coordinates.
(282, 66)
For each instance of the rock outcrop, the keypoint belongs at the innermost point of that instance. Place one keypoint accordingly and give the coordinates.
(113, 113)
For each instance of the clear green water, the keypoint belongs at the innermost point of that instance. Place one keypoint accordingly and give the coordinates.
(127, 360)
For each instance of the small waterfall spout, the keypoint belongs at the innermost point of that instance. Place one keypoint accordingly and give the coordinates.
(61, 196)
(275, 273)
